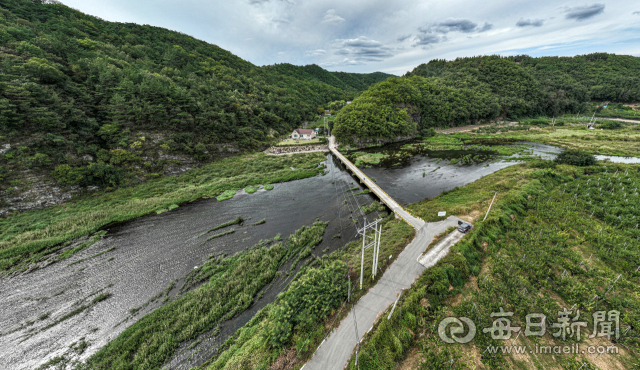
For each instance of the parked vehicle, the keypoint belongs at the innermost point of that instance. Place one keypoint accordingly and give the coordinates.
(464, 227)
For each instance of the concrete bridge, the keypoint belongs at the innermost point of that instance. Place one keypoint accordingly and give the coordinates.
(374, 188)
(335, 351)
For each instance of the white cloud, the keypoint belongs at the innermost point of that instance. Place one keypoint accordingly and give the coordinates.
(363, 49)
(332, 18)
(315, 53)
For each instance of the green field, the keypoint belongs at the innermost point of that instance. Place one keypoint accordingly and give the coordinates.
(624, 141)
(553, 240)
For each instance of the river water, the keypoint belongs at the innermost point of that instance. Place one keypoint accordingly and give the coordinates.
(143, 257)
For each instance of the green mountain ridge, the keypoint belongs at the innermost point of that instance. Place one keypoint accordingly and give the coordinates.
(480, 89)
(103, 103)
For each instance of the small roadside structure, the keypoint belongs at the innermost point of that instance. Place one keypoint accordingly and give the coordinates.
(303, 134)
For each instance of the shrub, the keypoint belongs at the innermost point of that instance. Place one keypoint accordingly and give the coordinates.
(428, 132)
(542, 163)
(318, 291)
(611, 125)
(539, 122)
(576, 158)
(67, 175)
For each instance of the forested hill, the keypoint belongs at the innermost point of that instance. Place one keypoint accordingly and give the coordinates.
(468, 90)
(349, 82)
(598, 76)
(100, 103)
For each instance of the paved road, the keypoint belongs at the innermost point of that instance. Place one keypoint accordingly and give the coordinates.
(337, 349)
(384, 197)
(439, 250)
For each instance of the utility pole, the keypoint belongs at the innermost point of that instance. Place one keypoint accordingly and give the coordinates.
(374, 241)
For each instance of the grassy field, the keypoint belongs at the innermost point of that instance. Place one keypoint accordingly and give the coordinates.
(29, 237)
(575, 135)
(471, 202)
(558, 237)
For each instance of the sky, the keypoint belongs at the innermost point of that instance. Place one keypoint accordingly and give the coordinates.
(388, 36)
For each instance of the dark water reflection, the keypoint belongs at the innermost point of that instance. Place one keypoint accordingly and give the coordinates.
(428, 173)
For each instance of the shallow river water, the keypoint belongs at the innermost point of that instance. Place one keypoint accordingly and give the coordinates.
(151, 252)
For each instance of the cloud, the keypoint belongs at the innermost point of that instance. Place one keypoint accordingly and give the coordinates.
(331, 17)
(581, 13)
(427, 39)
(258, 2)
(403, 37)
(529, 22)
(487, 26)
(363, 49)
(344, 62)
(454, 25)
(315, 53)
(636, 13)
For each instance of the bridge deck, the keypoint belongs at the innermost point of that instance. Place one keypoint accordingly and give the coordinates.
(373, 187)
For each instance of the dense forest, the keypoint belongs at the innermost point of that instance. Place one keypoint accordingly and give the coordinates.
(101, 103)
(466, 90)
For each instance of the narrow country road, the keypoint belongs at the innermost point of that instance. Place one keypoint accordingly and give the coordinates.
(337, 349)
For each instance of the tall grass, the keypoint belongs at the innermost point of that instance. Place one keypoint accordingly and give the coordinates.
(233, 282)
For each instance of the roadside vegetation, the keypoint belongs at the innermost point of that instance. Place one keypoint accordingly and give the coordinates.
(561, 237)
(30, 237)
(287, 332)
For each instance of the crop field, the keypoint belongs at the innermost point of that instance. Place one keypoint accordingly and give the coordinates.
(565, 238)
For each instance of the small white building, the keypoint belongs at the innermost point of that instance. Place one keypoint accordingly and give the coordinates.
(303, 134)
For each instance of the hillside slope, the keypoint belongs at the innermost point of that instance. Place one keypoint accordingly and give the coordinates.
(102, 103)
(351, 83)
(467, 90)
